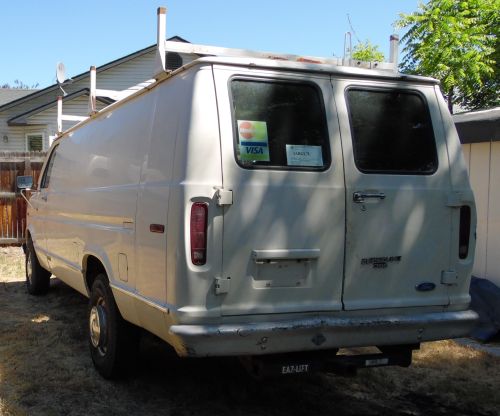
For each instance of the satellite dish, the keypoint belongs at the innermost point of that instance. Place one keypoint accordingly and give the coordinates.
(60, 73)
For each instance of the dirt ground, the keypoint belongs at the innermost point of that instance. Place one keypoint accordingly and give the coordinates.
(45, 369)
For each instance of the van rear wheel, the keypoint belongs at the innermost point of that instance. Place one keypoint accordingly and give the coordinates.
(37, 278)
(113, 341)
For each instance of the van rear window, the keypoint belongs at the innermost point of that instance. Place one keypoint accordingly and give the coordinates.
(279, 125)
(391, 132)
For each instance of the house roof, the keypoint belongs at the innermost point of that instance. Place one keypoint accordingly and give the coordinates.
(8, 95)
(54, 87)
(21, 119)
(478, 126)
(83, 75)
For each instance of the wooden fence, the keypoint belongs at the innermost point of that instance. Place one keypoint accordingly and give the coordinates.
(12, 204)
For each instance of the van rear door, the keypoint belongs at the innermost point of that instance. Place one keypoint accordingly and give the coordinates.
(398, 229)
(283, 244)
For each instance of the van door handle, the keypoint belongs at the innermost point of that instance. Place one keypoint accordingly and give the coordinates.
(359, 197)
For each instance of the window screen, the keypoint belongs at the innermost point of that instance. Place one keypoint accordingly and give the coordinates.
(391, 132)
(34, 142)
(279, 125)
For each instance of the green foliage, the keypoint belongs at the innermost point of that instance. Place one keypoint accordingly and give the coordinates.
(367, 52)
(486, 94)
(453, 41)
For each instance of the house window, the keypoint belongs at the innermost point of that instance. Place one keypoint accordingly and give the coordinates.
(34, 142)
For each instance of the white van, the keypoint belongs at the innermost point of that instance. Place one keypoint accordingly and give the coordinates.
(249, 207)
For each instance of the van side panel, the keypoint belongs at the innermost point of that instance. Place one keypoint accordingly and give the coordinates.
(196, 177)
(93, 193)
(153, 205)
(461, 195)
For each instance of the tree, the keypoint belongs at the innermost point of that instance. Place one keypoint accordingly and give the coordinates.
(486, 95)
(19, 85)
(453, 41)
(367, 52)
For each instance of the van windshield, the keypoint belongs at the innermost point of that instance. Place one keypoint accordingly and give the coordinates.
(391, 132)
(279, 125)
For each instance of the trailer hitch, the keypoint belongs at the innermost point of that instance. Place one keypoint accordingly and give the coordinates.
(329, 361)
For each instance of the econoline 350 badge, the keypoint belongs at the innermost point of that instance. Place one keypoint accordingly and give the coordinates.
(380, 262)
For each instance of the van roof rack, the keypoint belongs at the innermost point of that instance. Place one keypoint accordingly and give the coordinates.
(164, 46)
(161, 68)
(94, 92)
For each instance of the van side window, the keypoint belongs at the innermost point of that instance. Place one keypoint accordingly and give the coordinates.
(48, 169)
(391, 132)
(279, 125)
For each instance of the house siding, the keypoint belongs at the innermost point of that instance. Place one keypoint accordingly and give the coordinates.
(479, 133)
(483, 161)
(44, 122)
(493, 261)
(129, 75)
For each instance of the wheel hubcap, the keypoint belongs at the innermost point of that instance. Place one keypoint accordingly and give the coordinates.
(97, 326)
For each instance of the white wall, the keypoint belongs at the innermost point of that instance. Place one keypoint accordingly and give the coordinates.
(483, 161)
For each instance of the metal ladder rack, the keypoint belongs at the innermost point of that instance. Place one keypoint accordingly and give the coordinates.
(164, 46)
(94, 92)
(161, 70)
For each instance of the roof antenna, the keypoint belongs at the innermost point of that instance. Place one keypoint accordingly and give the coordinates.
(61, 77)
(352, 28)
(347, 49)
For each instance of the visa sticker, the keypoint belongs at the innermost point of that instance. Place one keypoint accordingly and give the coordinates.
(253, 140)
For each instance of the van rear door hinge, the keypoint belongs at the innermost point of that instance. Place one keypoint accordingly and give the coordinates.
(449, 277)
(224, 197)
(222, 285)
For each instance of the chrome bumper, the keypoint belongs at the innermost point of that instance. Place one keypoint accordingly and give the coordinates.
(319, 333)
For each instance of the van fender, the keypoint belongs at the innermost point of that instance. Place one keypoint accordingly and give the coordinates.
(30, 233)
(40, 250)
(124, 301)
(102, 257)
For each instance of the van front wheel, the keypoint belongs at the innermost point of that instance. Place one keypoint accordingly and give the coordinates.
(37, 278)
(113, 342)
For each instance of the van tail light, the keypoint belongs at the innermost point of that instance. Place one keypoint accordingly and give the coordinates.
(464, 235)
(199, 214)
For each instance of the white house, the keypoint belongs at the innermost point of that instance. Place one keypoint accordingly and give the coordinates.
(479, 133)
(27, 122)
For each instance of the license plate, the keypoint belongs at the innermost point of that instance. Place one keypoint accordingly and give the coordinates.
(376, 362)
(295, 368)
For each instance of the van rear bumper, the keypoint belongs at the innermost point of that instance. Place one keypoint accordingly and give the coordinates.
(319, 333)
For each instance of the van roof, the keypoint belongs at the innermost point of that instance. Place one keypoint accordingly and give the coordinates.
(272, 64)
(320, 68)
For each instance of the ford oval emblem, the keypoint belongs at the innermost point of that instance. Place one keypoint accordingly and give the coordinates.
(425, 287)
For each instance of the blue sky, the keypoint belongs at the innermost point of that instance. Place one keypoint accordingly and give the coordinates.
(35, 34)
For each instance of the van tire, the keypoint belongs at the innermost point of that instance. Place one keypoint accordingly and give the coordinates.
(37, 278)
(113, 342)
